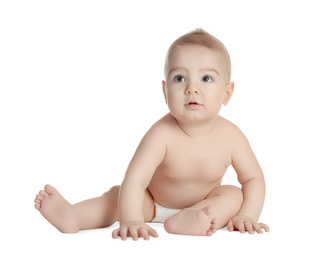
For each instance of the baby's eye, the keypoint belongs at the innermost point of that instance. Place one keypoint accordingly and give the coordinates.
(207, 79)
(179, 78)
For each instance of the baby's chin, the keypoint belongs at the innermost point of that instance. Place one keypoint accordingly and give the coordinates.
(193, 118)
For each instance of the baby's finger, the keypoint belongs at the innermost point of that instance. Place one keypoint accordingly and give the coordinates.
(264, 226)
(249, 227)
(123, 233)
(152, 232)
(257, 228)
(240, 226)
(144, 233)
(133, 233)
(116, 233)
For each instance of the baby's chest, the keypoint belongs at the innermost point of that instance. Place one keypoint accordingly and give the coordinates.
(197, 162)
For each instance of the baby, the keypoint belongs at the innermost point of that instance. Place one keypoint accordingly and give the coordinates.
(176, 172)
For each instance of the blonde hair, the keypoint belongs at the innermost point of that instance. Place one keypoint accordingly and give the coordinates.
(203, 38)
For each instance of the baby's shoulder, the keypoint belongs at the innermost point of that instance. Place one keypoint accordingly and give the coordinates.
(230, 129)
(162, 128)
(164, 125)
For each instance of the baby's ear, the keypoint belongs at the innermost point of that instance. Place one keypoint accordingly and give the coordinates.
(229, 92)
(164, 90)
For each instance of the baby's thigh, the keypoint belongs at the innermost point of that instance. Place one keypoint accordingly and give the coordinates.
(230, 191)
(149, 207)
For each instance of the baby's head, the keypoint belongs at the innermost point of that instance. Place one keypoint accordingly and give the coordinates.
(199, 37)
(197, 77)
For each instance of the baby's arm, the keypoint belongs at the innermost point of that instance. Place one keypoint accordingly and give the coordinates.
(147, 158)
(251, 177)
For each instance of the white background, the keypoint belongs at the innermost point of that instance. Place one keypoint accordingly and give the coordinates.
(81, 84)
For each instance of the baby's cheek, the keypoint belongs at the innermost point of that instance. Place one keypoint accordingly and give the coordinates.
(172, 101)
(174, 107)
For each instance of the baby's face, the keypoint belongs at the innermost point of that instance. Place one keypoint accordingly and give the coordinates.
(195, 86)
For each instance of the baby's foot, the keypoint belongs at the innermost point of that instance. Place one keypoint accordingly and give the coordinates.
(193, 222)
(57, 210)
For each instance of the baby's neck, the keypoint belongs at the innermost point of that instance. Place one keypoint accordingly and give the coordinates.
(198, 130)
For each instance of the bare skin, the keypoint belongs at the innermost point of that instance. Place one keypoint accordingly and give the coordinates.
(179, 163)
(205, 216)
(94, 213)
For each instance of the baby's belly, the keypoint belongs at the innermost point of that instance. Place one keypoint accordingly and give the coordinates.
(180, 195)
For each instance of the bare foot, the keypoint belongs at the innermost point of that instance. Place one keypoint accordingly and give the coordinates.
(57, 210)
(193, 222)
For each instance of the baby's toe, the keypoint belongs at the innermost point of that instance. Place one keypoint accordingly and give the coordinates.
(43, 193)
(50, 190)
(39, 197)
(214, 227)
(38, 201)
(37, 206)
(209, 233)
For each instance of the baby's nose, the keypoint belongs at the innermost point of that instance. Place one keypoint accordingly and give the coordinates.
(191, 90)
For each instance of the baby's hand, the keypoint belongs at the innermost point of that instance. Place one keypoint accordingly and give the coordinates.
(135, 229)
(245, 223)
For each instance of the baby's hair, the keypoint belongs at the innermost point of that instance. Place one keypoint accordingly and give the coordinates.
(203, 38)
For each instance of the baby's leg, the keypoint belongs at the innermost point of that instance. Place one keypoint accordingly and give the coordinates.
(207, 216)
(89, 214)
(68, 218)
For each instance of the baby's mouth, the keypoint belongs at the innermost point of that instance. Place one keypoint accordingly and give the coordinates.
(193, 105)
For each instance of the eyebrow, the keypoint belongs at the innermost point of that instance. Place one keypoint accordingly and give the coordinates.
(211, 70)
(177, 68)
(182, 68)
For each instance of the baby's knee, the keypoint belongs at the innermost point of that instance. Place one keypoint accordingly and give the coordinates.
(114, 190)
(235, 192)
(230, 191)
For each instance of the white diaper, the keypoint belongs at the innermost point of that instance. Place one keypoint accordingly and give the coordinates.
(163, 213)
